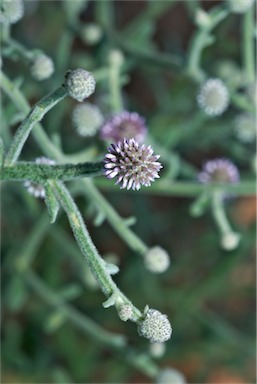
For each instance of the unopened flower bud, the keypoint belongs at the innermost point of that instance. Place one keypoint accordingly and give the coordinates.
(213, 97)
(116, 57)
(80, 84)
(155, 327)
(91, 33)
(42, 67)
(230, 241)
(125, 312)
(157, 260)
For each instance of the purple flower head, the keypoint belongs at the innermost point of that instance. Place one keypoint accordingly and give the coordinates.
(124, 125)
(132, 163)
(219, 171)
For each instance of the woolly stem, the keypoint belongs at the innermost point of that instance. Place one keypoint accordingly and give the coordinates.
(34, 116)
(87, 247)
(41, 172)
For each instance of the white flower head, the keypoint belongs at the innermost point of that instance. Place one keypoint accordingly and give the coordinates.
(245, 128)
(87, 119)
(155, 326)
(213, 97)
(157, 260)
(11, 11)
(42, 67)
(79, 83)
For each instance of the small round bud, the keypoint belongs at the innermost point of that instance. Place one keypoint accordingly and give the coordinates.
(213, 97)
(170, 376)
(87, 119)
(203, 19)
(155, 327)
(157, 350)
(42, 67)
(11, 11)
(116, 57)
(125, 312)
(92, 33)
(230, 241)
(240, 6)
(245, 128)
(157, 260)
(80, 84)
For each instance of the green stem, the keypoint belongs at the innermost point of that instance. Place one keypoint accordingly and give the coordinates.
(219, 214)
(81, 321)
(185, 188)
(248, 45)
(21, 50)
(119, 224)
(88, 248)
(35, 115)
(201, 40)
(115, 91)
(41, 172)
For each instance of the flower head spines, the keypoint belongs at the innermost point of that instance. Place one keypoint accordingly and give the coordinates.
(155, 327)
(133, 164)
(213, 97)
(79, 83)
(42, 67)
(124, 125)
(219, 171)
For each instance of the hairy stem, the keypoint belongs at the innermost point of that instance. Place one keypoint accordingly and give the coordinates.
(41, 172)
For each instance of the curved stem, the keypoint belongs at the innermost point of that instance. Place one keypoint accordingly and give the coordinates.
(34, 116)
(87, 247)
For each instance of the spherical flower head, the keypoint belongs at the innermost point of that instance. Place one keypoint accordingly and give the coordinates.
(133, 164)
(11, 11)
(230, 241)
(245, 128)
(157, 260)
(213, 97)
(170, 376)
(35, 189)
(87, 119)
(219, 171)
(42, 67)
(79, 83)
(155, 327)
(91, 33)
(124, 125)
(240, 6)
(125, 312)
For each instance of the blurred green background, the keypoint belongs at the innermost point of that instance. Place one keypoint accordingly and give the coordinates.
(207, 293)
